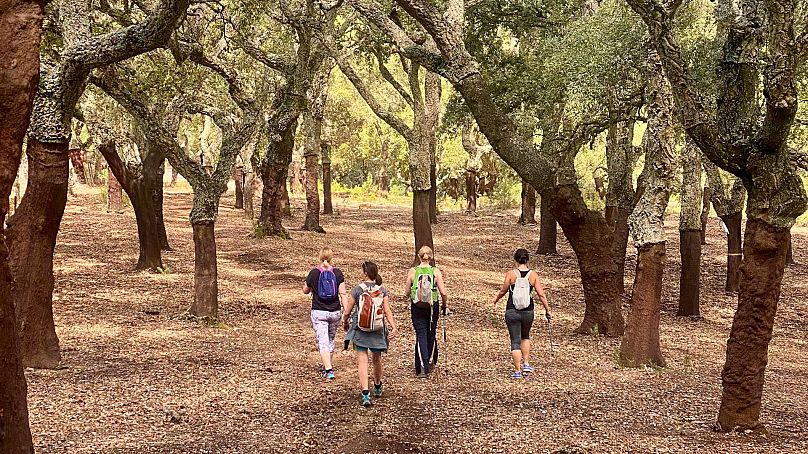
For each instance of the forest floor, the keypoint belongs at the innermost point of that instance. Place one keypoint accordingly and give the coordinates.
(138, 378)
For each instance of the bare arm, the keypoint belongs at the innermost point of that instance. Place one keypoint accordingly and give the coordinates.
(504, 289)
(342, 294)
(540, 293)
(441, 287)
(306, 289)
(346, 312)
(408, 286)
(388, 314)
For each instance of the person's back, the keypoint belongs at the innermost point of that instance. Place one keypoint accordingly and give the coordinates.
(326, 284)
(427, 293)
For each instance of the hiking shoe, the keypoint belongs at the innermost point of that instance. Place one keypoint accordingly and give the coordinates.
(329, 375)
(377, 390)
(527, 369)
(366, 400)
(516, 375)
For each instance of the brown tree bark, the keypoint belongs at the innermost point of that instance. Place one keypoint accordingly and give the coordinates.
(433, 193)
(471, 191)
(141, 195)
(548, 228)
(621, 234)
(114, 195)
(591, 239)
(528, 215)
(640, 345)
(328, 207)
(20, 32)
(747, 348)
(206, 287)
(238, 178)
(312, 221)
(734, 254)
(689, 278)
(286, 204)
(273, 174)
(422, 228)
(77, 159)
(174, 175)
(31, 236)
(790, 253)
(153, 171)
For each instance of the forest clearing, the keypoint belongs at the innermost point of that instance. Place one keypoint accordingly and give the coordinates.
(138, 379)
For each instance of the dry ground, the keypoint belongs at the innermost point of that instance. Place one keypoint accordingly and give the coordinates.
(138, 379)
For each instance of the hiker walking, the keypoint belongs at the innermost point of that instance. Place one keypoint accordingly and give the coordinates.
(366, 312)
(424, 283)
(519, 285)
(326, 284)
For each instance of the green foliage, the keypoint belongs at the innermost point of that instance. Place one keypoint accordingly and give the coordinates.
(165, 269)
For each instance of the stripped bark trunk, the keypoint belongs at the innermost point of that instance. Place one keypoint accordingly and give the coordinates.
(206, 287)
(325, 159)
(77, 159)
(273, 175)
(734, 251)
(114, 195)
(528, 215)
(31, 236)
(640, 343)
(154, 171)
(690, 229)
(20, 33)
(548, 230)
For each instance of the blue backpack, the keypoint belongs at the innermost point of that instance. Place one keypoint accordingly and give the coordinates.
(327, 284)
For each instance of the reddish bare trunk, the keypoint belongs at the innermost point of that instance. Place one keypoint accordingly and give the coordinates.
(640, 345)
(689, 278)
(77, 159)
(274, 198)
(20, 28)
(747, 348)
(734, 255)
(312, 222)
(591, 239)
(528, 215)
(206, 287)
(32, 237)
(471, 191)
(420, 221)
(328, 207)
(238, 178)
(148, 235)
(617, 218)
(548, 228)
(114, 194)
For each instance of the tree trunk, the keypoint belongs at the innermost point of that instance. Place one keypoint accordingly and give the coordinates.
(640, 345)
(20, 32)
(528, 215)
(548, 230)
(734, 255)
(206, 288)
(705, 213)
(312, 222)
(147, 231)
(273, 175)
(286, 204)
(238, 178)
(690, 251)
(249, 191)
(621, 233)
(114, 195)
(790, 253)
(433, 194)
(591, 239)
(77, 159)
(154, 180)
(31, 236)
(471, 191)
(747, 348)
(420, 221)
(328, 207)
(174, 174)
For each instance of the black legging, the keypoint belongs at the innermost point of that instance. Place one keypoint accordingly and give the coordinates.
(425, 323)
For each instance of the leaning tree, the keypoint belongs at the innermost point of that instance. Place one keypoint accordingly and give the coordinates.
(20, 32)
(738, 137)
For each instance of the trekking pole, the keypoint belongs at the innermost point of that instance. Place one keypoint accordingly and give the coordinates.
(550, 335)
(445, 339)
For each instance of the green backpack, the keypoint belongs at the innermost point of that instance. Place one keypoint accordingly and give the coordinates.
(424, 286)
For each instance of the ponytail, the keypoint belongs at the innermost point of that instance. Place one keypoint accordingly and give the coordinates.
(372, 272)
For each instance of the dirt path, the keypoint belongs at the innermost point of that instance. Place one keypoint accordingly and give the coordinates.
(140, 380)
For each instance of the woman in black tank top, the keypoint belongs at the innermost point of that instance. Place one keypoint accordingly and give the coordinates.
(519, 317)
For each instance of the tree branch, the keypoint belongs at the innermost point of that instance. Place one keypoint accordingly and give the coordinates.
(388, 76)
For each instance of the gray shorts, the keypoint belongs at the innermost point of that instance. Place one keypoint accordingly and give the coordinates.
(519, 324)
